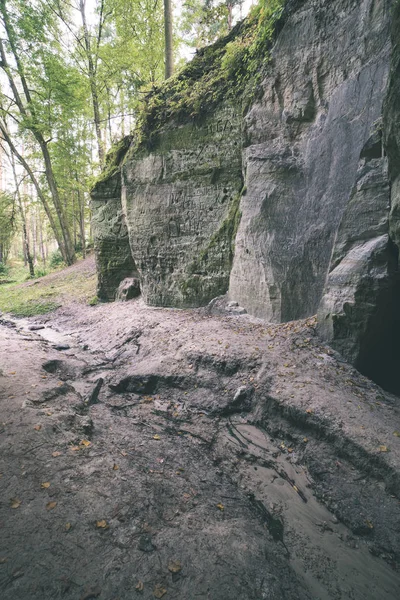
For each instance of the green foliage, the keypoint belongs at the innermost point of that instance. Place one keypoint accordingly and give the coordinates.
(4, 269)
(229, 69)
(48, 293)
(56, 259)
(114, 158)
(32, 308)
(7, 224)
(40, 272)
(93, 301)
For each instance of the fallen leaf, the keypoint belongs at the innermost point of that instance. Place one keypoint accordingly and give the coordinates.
(396, 433)
(159, 591)
(305, 440)
(115, 467)
(45, 485)
(15, 503)
(309, 411)
(139, 586)
(156, 437)
(174, 566)
(48, 414)
(85, 443)
(383, 449)
(220, 506)
(3, 560)
(102, 524)
(75, 448)
(124, 453)
(56, 453)
(290, 450)
(67, 526)
(51, 505)
(12, 372)
(37, 427)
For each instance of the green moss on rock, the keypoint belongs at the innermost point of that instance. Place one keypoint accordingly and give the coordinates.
(229, 69)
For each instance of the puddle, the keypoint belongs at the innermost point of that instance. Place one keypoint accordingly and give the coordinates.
(47, 333)
(323, 552)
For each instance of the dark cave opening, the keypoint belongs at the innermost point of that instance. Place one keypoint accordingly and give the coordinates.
(379, 357)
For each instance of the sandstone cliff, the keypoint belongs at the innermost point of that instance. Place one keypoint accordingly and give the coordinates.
(279, 185)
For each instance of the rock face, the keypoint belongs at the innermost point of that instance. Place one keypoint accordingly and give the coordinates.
(113, 254)
(319, 155)
(177, 196)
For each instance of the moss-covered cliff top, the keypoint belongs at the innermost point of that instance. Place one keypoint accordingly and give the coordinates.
(231, 68)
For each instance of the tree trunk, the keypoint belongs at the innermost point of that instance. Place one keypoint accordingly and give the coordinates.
(93, 77)
(27, 110)
(169, 57)
(27, 253)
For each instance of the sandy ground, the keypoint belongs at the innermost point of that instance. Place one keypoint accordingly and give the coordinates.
(180, 454)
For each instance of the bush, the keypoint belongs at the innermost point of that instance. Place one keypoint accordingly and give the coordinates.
(40, 272)
(4, 269)
(56, 259)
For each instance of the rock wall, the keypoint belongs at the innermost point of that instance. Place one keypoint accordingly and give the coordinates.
(318, 225)
(180, 197)
(303, 143)
(113, 254)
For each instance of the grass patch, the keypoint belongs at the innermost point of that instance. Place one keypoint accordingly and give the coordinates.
(32, 308)
(45, 294)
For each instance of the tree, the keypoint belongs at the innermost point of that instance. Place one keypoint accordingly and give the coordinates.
(204, 21)
(169, 58)
(7, 225)
(26, 28)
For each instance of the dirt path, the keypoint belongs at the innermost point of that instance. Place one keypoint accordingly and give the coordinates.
(175, 454)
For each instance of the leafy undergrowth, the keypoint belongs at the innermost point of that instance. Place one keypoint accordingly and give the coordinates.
(45, 294)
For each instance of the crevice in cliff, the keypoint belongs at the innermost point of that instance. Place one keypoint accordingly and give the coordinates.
(379, 357)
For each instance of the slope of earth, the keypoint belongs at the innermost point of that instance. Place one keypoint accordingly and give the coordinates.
(157, 453)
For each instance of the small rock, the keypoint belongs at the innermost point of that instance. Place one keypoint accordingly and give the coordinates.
(61, 347)
(36, 327)
(239, 311)
(128, 289)
(146, 543)
(233, 304)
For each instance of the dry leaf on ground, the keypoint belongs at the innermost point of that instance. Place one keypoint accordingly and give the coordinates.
(45, 485)
(15, 503)
(51, 505)
(159, 591)
(102, 524)
(140, 586)
(174, 566)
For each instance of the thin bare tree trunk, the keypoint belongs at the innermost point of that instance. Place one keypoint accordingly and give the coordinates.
(27, 252)
(169, 56)
(92, 71)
